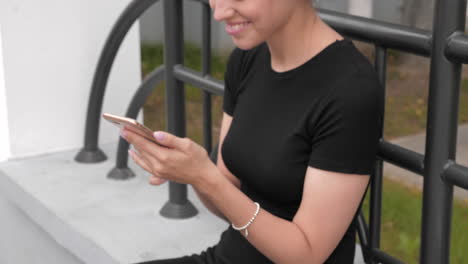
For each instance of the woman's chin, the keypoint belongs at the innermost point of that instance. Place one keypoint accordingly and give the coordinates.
(244, 45)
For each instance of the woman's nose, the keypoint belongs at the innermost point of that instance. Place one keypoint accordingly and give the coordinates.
(222, 10)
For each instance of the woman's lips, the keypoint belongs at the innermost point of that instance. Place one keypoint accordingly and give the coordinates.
(235, 29)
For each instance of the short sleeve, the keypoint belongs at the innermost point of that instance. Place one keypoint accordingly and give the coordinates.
(231, 81)
(345, 135)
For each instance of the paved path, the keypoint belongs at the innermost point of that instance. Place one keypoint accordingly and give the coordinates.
(417, 143)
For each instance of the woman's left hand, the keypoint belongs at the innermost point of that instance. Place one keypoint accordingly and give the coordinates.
(181, 160)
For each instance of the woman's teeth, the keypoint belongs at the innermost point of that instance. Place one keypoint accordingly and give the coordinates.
(238, 26)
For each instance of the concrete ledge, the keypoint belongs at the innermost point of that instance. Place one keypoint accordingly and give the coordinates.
(23, 241)
(97, 220)
(100, 220)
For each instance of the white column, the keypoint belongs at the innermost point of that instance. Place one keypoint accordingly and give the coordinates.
(50, 52)
(4, 134)
(361, 8)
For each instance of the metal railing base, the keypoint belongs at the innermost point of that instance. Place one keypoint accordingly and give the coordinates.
(120, 174)
(178, 211)
(90, 156)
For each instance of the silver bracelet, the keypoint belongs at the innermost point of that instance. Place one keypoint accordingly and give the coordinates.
(250, 221)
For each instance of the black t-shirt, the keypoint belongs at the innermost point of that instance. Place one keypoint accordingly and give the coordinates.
(325, 113)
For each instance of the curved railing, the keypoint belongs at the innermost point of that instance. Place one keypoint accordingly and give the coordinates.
(121, 170)
(90, 153)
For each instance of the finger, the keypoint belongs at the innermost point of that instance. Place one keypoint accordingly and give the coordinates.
(169, 140)
(155, 180)
(153, 159)
(140, 143)
(139, 160)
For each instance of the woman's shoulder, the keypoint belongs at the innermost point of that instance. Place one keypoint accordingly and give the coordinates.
(358, 64)
(360, 96)
(350, 71)
(354, 81)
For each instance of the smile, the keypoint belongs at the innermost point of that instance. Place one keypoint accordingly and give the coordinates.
(237, 28)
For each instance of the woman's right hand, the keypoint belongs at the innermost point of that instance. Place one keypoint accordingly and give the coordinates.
(154, 180)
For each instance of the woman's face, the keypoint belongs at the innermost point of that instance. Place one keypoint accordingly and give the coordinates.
(251, 22)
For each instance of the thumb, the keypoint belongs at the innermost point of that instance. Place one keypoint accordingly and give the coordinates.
(166, 139)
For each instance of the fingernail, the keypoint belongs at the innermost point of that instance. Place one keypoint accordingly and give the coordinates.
(159, 135)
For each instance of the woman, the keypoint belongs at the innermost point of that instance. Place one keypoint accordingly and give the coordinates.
(297, 145)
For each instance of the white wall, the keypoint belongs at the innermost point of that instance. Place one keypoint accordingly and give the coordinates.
(4, 130)
(361, 8)
(50, 51)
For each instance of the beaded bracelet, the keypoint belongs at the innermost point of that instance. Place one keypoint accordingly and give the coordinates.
(250, 221)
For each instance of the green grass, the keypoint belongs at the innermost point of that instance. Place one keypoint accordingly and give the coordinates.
(401, 224)
(405, 114)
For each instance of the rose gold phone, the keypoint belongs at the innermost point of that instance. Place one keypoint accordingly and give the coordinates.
(132, 125)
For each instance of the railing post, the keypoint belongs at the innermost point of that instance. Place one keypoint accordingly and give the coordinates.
(449, 16)
(90, 153)
(206, 70)
(178, 205)
(375, 214)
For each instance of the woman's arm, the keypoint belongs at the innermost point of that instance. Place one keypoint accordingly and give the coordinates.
(329, 202)
(225, 125)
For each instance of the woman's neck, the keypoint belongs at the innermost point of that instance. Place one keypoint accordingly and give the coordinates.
(304, 36)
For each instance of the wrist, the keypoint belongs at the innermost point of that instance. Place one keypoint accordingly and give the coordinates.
(209, 181)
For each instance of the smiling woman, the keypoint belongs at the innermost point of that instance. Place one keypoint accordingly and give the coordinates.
(298, 141)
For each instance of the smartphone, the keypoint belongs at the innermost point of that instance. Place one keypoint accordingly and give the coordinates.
(131, 124)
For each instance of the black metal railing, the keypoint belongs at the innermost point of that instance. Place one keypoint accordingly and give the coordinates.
(446, 45)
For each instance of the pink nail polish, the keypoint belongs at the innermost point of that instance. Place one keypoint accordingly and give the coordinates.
(159, 136)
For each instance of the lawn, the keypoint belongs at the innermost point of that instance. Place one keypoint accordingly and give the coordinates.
(406, 110)
(401, 224)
